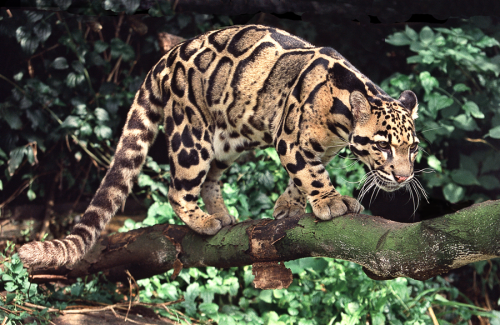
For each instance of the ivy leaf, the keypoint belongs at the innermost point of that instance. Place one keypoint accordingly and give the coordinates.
(437, 102)
(31, 195)
(101, 114)
(489, 182)
(487, 41)
(71, 121)
(16, 157)
(426, 35)
(464, 177)
(401, 81)
(103, 131)
(118, 47)
(60, 63)
(453, 193)
(428, 81)
(472, 108)
(63, 4)
(129, 6)
(412, 34)
(42, 30)
(494, 132)
(77, 66)
(434, 163)
(209, 308)
(100, 46)
(465, 122)
(460, 88)
(30, 43)
(398, 39)
(33, 16)
(10, 287)
(11, 116)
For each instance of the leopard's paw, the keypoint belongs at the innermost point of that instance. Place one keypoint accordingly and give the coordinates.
(336, 206)
(286, 208)
(212, 223)
(288, 211)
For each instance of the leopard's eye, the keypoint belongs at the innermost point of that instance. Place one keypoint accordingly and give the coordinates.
(383, 145)
(414, 146)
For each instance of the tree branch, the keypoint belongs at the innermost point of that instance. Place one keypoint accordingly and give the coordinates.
(385, 249)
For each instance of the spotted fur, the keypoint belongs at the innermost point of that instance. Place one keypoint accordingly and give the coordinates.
(240, 88)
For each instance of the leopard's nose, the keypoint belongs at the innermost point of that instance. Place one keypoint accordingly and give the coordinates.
(400, 179)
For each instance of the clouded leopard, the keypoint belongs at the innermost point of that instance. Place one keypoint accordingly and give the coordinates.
(240, 88)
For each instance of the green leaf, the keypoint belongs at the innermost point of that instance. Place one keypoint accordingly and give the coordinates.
(494, 132)
(401, 81)
(12, 117)
(487, 41)
(426, 35)
(412, 34)
(470, 163)
(100, 46)
(10, 297)
(473, 109)
(42, 30)
(63, 4)
(489, 182)
(16, 157)
(77, 66)
(118, 47)
(434, 163)
(464, 177)
(31, 194)
(428, 81)
(209, 308)
(73, 79)
(266, 296)
(453, 193)
(398, 39)
(33, 16)
(22, 33)
(30, 155)
(96, 59)
(60, 63)
(437, 102)
(465, 122)
(71, 121)
(30, 43)
(101, 114)
(460, 88)
(129, 6)
(10, 287)
(103, 131)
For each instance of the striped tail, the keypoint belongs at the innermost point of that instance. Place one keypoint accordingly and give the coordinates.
(138, 134)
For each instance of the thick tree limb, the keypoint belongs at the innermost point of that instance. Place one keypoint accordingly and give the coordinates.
(385, 248)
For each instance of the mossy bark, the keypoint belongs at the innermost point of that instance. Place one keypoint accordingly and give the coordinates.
(385, 249)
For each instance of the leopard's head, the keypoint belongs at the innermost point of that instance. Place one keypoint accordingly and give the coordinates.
(383, 137)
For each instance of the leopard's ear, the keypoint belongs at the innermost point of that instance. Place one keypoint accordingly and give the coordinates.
(409, 101)
(360, 107)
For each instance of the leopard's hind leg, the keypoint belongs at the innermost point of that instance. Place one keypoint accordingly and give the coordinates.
(190, 167)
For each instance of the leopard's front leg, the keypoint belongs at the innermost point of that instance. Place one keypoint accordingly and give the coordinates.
(308, 174)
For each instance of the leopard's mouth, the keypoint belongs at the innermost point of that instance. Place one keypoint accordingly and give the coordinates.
(388, 185)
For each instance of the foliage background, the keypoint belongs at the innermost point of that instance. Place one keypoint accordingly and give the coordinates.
(69, 77)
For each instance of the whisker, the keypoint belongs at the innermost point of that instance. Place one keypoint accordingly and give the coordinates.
(422, 149)
(419, 185)
(415, 207)
(441, 127)
(425, 171)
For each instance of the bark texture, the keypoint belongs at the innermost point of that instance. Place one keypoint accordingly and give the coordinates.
(385, 249)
